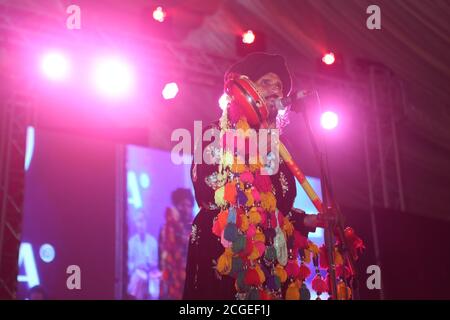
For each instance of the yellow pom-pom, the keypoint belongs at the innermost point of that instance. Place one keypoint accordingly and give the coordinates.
(293, 292)
(244, 223)
(288, 227)
(219, 197)
(307, 256)
(268, 201)
(238, 165)
(228, 252)
(341, 291)
(259, 236)
(250, 200)
(254, 216)
(261, 275)
(281, 273)
(254, 164)
(224, 263)
(313, 247)
(254, 255)
(338, 260)
(242, 124)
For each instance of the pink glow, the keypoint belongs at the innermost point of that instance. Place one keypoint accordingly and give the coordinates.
(329, 120)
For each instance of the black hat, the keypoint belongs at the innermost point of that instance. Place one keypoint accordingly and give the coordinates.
(257, 64)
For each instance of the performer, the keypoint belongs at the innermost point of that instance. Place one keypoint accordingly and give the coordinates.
(173, 244)
(247, 237)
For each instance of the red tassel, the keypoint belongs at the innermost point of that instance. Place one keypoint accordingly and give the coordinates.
(264, 295)
(300, 241)
(319, 285)
(342, 271)
(292, 268)
(323, 257)
(356, 244)
(252, 278)
(304, 272)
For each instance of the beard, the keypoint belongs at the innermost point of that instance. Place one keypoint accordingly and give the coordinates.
(271, 107)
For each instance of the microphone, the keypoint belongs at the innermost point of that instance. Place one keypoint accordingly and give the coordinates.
(283, 103)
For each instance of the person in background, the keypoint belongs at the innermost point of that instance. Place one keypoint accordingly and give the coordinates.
(173, 244)
(142, 262)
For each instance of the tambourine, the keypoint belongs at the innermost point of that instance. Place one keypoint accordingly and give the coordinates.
(244, 93)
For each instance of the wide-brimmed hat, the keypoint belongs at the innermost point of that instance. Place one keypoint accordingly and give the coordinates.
(257, 64)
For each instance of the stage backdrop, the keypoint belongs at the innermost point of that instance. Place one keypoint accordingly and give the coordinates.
(82, 196)
(69, 216)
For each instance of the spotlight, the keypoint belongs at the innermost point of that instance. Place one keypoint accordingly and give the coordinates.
(248, 37)
(170, 90)
(113, 77)
(55, 66)
(224, 100)
(328, 58)
(250, 41)
(159, 14)
(329, 120)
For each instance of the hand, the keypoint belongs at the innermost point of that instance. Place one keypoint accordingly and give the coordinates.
(314, 221)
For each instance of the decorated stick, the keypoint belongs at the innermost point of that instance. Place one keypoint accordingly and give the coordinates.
(297, 172)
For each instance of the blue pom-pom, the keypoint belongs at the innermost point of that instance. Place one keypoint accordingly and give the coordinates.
(231, 232)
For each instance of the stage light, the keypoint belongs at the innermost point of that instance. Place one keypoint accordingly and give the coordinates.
(170, 90)
(113, 77)
(328, 58)
(159, 14)
(55, 66)
(248, 37)
(224, 100)
(329, 120)
(250, 41)
(29, 149)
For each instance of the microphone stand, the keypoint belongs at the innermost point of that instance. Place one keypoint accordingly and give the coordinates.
(331, 212)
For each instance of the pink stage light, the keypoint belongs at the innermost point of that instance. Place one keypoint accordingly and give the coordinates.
(170, 90)
(248, 37)
(159, 14)
(55, 66)
(329, 120)
(328, 58)
(113, 77)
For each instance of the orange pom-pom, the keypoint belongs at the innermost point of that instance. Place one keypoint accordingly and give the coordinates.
(281, 273)
(293, 292)
(230, 192)
(343, 292)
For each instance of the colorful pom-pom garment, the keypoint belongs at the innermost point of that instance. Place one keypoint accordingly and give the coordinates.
(246, 240)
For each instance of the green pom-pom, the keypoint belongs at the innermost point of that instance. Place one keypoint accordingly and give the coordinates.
(304, 293)
(240, 282)
(237, 265)
(239, 243)
(270, 254)
(253, 294)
